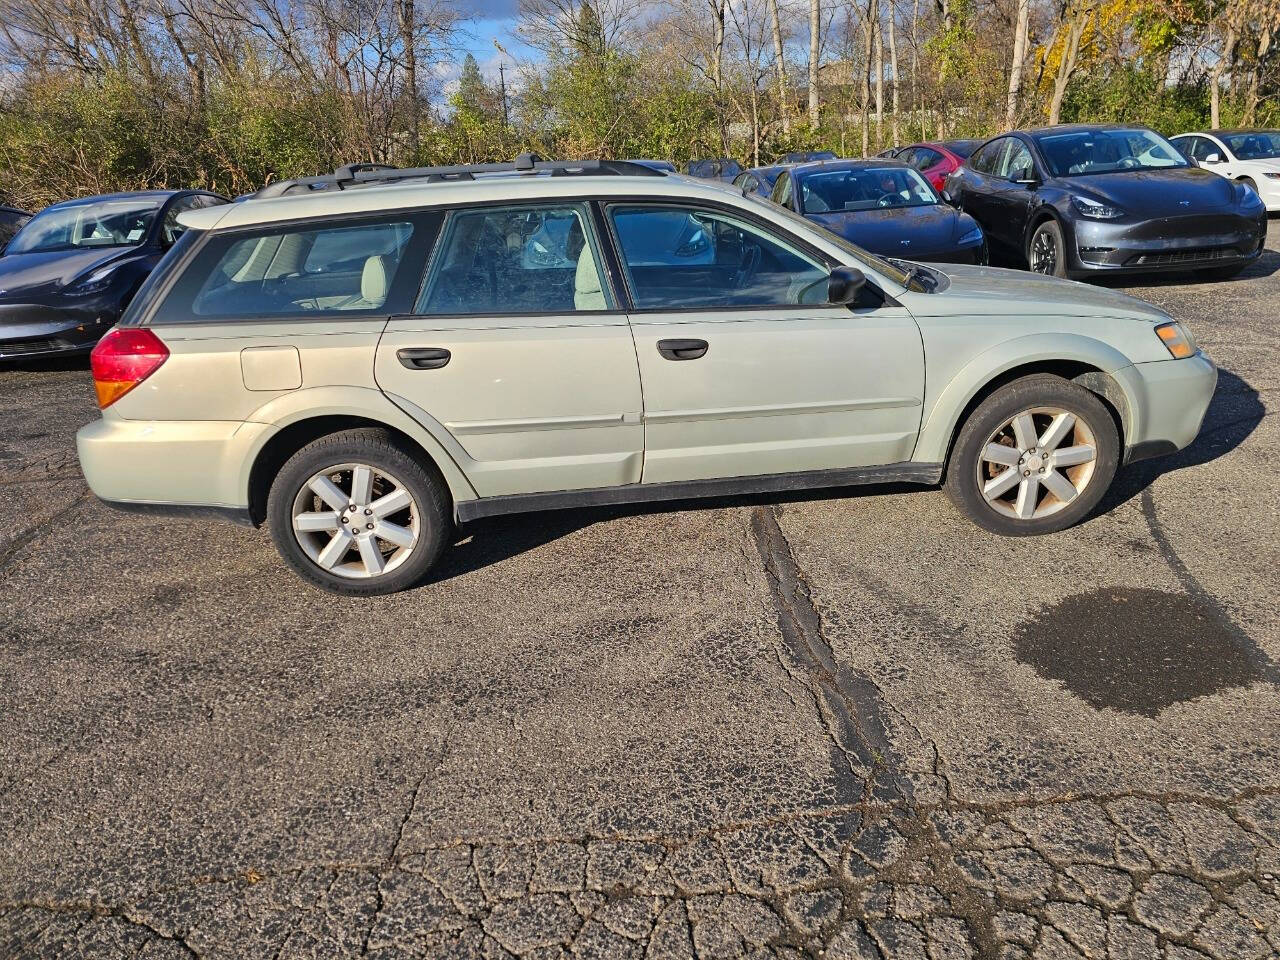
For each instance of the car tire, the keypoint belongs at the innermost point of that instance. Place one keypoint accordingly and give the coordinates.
(322, 550)
(1047, 250)
(992, 441)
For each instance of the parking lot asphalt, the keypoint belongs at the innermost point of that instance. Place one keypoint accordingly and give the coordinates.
(846, 725)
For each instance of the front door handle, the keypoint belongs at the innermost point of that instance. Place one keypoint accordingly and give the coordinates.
(682, 349)
(423, 358)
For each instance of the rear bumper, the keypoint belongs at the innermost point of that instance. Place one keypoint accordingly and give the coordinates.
(168, 466)
(36, 330)
(1168, 403)
(1166, 245)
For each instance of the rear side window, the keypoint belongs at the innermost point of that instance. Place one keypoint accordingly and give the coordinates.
(340, 269)
(514, 260)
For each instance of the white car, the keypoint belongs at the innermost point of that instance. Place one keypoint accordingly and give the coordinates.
(1250, 156)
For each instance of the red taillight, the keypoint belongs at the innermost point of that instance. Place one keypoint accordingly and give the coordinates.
(123, 359)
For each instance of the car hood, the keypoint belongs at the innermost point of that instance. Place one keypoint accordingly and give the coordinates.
(28, 272)
(1169, 192)
(895, 231)
(995, 291)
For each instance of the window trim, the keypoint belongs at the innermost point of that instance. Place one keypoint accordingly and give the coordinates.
(590, 223)
(428, 218)
(828, 262)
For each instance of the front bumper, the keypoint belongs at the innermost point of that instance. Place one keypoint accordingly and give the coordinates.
(1168, 244)
(37, 330)
(1168, 400)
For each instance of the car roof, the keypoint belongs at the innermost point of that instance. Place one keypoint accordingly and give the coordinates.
(1235, 131)
(159, 196)
(409, 195)
(4, 208)
(1076, 128)
(801, 169)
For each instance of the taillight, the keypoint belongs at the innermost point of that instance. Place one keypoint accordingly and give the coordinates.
(123, 359)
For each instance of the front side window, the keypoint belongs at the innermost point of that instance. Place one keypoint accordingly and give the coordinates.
(104, 223)
(341, 269)
(782, 190)
(10, 224)
(686, 259)
(512, 260)
(864, 188)
(1258, 145)
(985, 160)
(1016, 162)
(1090, 152)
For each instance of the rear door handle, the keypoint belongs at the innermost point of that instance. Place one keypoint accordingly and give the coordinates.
(682, 349)
(423, 358)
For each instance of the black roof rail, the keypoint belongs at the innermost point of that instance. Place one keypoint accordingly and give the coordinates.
(367, 174)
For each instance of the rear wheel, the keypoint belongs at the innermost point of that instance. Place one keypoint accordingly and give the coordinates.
(1034, 457)
(1046, 251)
(354, 513)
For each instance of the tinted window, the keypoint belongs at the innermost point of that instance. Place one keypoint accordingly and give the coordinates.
(281, 272)
(10, 223)
(158, 277)
(984, 161)
(690, 259)
(782, 190)
(963, 148)
(1015, 163)
(539, 259)
(1258, 145)
(926, 158)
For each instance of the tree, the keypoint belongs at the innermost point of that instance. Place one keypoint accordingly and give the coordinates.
(1016, 63)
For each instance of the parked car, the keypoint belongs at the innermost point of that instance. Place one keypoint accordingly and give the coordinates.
(807, 156)
(883, 206)
(11, 221)
(71, 270)
(359, 370)
(718, 168)
(937, 160)
(758, 179)
(1079, 200)
(666, 166)
(1250, 156)
(889, 154)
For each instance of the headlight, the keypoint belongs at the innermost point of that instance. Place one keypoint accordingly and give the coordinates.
(96, 280)
(973, 236)
(1249, 198)
(1272, 176)
(1176, 340)
(1096, 210)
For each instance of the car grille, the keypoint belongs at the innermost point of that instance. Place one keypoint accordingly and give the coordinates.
(1195, 254)
(20, 348)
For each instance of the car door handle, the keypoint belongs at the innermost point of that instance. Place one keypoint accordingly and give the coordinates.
(682, 349)
(423, 358)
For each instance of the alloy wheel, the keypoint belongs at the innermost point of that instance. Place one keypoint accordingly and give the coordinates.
(355, 520)
(1036, 463)
(1044, 252)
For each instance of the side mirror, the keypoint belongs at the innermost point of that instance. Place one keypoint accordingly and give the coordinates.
(1213, 158)
(947, 196)
(1026, 177)
(844, 284)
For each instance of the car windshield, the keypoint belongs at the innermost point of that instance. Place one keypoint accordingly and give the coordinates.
(1257, 145)
(864, 188)
(963, 148)
(106, 223)
(1087, 152)
(864, 257)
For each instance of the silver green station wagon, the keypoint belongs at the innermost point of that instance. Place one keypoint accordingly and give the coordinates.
(361, 361)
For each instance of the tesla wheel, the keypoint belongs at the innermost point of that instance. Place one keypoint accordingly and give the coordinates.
(1034, 457)
(354, 513)
(1047, 252)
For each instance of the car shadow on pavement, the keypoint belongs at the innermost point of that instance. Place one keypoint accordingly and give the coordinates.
(1234, 412)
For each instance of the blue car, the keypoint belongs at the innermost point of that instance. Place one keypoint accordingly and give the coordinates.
(68, 274)
(11, 221)
(759, 179)
(883, 206)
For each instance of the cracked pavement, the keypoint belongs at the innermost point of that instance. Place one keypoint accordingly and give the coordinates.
(841, 725)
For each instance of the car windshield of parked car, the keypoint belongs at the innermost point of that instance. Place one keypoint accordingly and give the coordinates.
(109, 223)
(1088, 152)
(864, 188)
(1258, 145)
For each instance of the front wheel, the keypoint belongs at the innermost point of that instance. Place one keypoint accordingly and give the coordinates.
(1047, 251)
(355, 513)
(1034, 457)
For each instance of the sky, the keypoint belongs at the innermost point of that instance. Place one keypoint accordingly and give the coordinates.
(487, 21)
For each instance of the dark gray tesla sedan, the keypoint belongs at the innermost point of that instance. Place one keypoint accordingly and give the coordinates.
(1081, 200)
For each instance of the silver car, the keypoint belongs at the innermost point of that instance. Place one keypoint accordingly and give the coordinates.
(361, 369)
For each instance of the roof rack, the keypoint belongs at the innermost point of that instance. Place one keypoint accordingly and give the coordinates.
(368, 174)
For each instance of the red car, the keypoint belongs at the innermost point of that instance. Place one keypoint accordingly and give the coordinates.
(936, 160)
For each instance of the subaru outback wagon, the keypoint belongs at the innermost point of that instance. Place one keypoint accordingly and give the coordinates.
(363, 360)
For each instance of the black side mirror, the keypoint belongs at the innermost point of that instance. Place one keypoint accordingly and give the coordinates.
(1026, 178)
(947, 196)
(844, 284)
